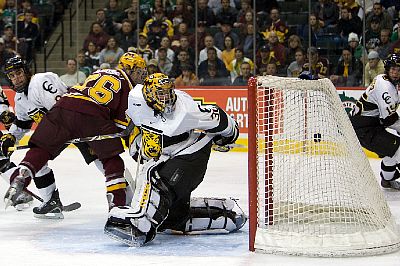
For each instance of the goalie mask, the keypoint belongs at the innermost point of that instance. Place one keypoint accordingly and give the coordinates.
(392, 68)
(18, 73)
(134, 66)
(158, 91)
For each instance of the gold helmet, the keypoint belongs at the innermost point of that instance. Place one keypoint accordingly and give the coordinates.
(134, 66)
(158, 91)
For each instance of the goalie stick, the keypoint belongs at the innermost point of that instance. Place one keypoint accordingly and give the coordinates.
(121, 134)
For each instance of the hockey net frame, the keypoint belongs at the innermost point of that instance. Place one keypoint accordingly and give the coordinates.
(312, 191)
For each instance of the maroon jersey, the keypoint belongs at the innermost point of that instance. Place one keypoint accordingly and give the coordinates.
(104, 93)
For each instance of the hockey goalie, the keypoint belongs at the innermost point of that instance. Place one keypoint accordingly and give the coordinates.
(172, 143)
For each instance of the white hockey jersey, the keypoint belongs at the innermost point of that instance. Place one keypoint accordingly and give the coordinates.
(381, 99)
(186, 130)
(43, 92)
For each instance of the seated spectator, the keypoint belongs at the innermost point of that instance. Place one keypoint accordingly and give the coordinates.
(225, 30)
(152, 67)
(181, 13)
(155, 34)
(247, 40)
(228, 54)
(294, 43)
(106, 23)
(348, 72)
(213, 60)
(113, 11)
(143, 49)
(316, 30)
(277, 25)
(234, 67)
(164, 63)
(10, 40)
(184, 45)
(131, 14)
(126, 37)
(208, 42)
(245, 74)
(319, 65)
(263, 60)
(385, 20)
(245, 15)
(271, 69)
(392, 7)
(201, 35)
(27, 32)
(395, 31)
(373, 34)
(73, 75)
(166, 24)
(277, 50)
(296, 67)
(9, 13)
(212, 78)
(354, 8)
(181, 59)
(395, 46)
(327, 13)
(373, 68)
(347, 24)
(216, 5)
(384, 46)
(93, 56)
(205, 14)
(166, 43)
(97, 36)
(187, 78)
(111, 53)
(226, 13)
(105, 66)
(83, 63)
(357, 50)
(183, 30)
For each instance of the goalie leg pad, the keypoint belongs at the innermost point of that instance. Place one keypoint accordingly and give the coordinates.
(136, 225)
(210, 214)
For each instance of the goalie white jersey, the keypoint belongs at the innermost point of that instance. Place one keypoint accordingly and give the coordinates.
(44, 90)
(186, 130)
(381, 99)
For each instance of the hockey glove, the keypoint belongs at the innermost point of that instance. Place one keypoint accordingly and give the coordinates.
(6, 141)
(7, 118)
(224, 140)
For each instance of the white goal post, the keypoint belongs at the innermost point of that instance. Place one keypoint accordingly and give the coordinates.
(312, 191)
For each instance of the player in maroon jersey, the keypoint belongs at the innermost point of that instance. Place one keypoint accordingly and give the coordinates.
(96, 107)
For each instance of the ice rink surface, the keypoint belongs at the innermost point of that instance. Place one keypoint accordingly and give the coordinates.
(79, 238)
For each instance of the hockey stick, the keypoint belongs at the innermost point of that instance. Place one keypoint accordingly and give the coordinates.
(227, 147)
(121, 134)
(67, 208)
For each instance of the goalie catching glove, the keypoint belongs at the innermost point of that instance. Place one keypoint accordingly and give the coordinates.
(6, 141)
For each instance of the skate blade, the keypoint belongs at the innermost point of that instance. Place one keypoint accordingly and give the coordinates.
(23, 206)
(50, 215)
(124, 236)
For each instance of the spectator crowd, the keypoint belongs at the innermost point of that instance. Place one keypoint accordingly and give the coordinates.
(218, 49)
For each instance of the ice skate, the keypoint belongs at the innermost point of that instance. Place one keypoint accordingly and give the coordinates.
(14, 191)
(51, 209)
(23, 201)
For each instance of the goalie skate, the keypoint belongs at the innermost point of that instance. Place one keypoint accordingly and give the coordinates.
(125, 234)
(51, 209)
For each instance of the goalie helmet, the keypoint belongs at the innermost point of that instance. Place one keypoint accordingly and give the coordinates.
(18, 73)
(393, 60)
(134, 66)
(158, 91)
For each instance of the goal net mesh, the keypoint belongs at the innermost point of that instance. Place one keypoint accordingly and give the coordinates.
(316, 192)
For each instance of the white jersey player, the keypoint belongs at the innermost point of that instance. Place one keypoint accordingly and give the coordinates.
(173, 139)
(375, 112)
(35, 96)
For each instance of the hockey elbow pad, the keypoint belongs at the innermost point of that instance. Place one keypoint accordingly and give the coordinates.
(390, 120)
(7, 118)
(224, 140)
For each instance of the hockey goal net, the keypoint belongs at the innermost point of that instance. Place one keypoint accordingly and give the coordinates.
(312, 190)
